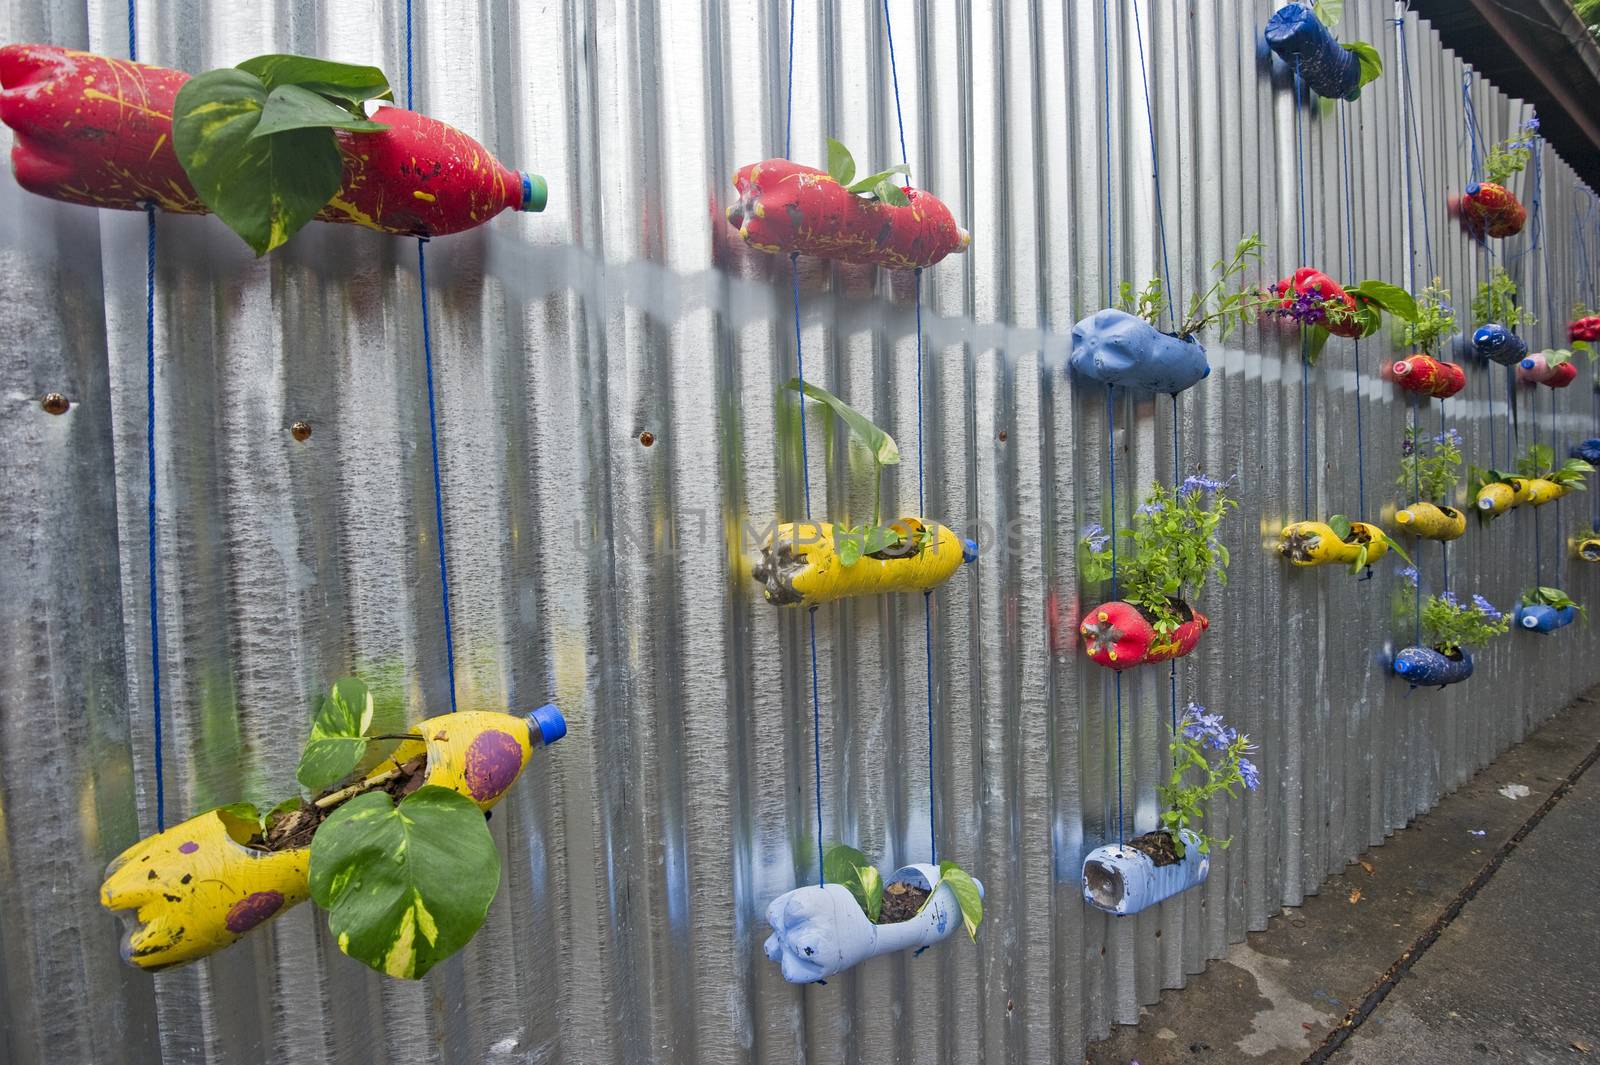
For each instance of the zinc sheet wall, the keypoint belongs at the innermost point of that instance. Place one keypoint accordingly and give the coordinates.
(613, 577)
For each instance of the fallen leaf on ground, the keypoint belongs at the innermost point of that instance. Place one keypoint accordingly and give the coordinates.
(1582, 1048)
(1355, 896)
(1515, 791)
(1368, 867)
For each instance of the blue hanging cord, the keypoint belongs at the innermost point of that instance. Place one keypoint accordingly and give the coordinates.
(1305, 340)
(1105, 39)
(1414, 132)
(1177, 470)
(1355, 355)
(150, 457)
(788, 119)
(1416, 493)
(1111, 418)
(1473, 134)
(1174, 306)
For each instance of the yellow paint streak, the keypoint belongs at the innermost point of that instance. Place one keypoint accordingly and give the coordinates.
(159, 142)
(426, 197)
(96, 94)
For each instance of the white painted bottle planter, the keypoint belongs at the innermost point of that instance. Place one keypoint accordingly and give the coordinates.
(1122, 881)
(818, 931)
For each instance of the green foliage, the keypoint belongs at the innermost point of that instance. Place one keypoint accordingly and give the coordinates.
(257, 141)
(1540, 461)
(1197, 775)
(405, 886)
(338, 736)
(1479, 476)
(879, 186)
(1496, 301)
(1328, 12)
(1174, 549)
(1372, 295)
(1431, 466)
(1344, 529)
(1510, 155)
(1434, 319)
(1536, 460)
(1371, 64)
(1215, 304)
(968, 897)
(1554, 598)
(1449, 625)
(850, 869)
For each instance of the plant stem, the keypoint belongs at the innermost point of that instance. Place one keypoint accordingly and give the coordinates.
(877, 494)
(364, 784)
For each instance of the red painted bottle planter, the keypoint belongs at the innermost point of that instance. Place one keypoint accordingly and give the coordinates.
(1118, 636)
(98, 131)
(1427, 376)
(1309, 279)
(1491, 210)
(1584, 329)
(786, 207)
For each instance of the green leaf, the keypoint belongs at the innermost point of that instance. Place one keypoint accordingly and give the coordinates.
(338, 736)
(967, 895)
(405, 886)
(871, 182)
(242, 811)
(1371, 61)
(850, 869)
(343, 81)
(888, 192)
(1371, 321)
(1360, 562)
(1341, 526)
(880, 443)
(849, 547)
(1398, 550)
(263, 189)
(1328, 12)
(291, 107)
(280, 811)
(1392, 298)
(841, 164)
(1315, 342)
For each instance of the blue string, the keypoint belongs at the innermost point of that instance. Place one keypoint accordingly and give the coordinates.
(1305, 351)
(927, 596)
(1105, 37)
(1416, 493)
(1155, 176)
(788, 119)
(1472, 123)
(1177, 469)
(410, 83)
(1414, 131)
(1355, 356)
(1111, 438)
(150, 458)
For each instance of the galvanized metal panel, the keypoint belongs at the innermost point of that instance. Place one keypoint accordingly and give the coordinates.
(613, 576)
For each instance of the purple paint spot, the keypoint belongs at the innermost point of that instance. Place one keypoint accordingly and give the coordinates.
(252, 910)
(189, 848)
(493, 762)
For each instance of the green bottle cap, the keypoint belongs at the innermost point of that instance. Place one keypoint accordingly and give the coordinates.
(535, 193)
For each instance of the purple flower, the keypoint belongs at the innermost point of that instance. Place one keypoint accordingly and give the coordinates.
(1486, 608)
(1532, 124)
(1449, 436)
(1410, 574)
(1207, 728)
(1149, 510)
(1096, 537)
(1450, 598)
(1251, 775)
(1199, 483)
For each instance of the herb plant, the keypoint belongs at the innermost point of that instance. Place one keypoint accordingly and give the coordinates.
(1512, 154)
(1435, 473)
(1316, 313)
(1344, 530)
(257, 140)
(1215, 305)
(1174, 549)
(1554, 598)
(1329, 12)
(850, 869)
(898, 539)
(1207, 757)
(1496, 301)
(879, 186)
(405, 884)
(1540, 461)
(1450, 625)
(1435, 318)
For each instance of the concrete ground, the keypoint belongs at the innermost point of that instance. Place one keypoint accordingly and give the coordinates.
(1513, 976)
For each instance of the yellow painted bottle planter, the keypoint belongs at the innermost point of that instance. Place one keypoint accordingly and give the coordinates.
(197, 887)
(800, 564)
(1432, 523)
(1541, 491)
(1314, 543)
(1588, 549)
(1500, 496)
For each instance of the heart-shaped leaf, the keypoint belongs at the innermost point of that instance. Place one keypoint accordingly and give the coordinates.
(1328, 12)
(1392, 298)
(343, 81)
(405, 886)
(1371, 61)
(880, 443)
(291, 107)
(1341, 526)
(338, 736)
(968, 897)
(841, 164)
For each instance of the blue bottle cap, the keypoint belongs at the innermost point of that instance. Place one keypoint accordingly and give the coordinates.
(549, 723)
(1527, 364)
(535, 192)
(1402, 667)
(1474, 188)
(969, 550)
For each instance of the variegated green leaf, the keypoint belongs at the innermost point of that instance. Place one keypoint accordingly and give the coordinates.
(405, 886)
(338, 736)
(342, 81)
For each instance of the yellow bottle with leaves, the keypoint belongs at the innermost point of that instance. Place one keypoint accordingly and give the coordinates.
(1432, 522)
(202, 885)
(1315, 543)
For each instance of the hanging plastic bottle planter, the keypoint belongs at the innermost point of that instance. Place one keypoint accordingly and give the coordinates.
(398, 172)
(1431, 521)
(787, 208)
(1333, 70)
(1547, 368)
(821, 930)
(1323, 308)
(1584, 329)
(1544, 610)
(394, 837)
(1123, 879)
(1120, 635)
(1428, 667)
(1587, 450)
(1498, 496)
(1587, 548)
(811, 563)
(1427, 376)
(1449, 627)
(1491, 210)
(1337, 542)
(1498, 344)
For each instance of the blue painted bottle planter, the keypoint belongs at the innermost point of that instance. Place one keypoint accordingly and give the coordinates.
(1331, 70)
(1423, 667)
(1499, 344)
(1588, 451)
(820, 930)
(1538, 617)
(1122, 881)
(1115, 348)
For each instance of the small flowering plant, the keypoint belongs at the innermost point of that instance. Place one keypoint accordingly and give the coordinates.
(1433, 473)
(1512, 154)
(1449, 624)
(1207, 757)
(1316, 308)
(1554, 598)
(1540, 461)
(1174, 549)
(1216, 305)
(1496, 302)
(1435, 318)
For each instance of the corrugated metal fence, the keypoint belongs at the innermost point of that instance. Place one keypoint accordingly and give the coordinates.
(610, 575)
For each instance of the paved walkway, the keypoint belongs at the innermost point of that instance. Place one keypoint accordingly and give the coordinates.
(1513, 977)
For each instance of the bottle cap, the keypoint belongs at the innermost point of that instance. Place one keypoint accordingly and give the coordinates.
(1474, 188)
(549, 723)
(535, 193)
(969, 550)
